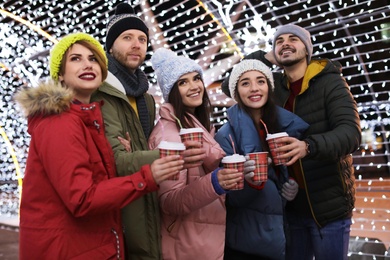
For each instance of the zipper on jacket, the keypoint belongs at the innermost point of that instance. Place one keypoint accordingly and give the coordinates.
(118, 250)
(303, 176)
(307, 194)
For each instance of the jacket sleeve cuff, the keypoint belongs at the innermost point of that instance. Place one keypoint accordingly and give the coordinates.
(312, 148)
(259, 55)
(214, 180)
(150, 182)
(257, 187)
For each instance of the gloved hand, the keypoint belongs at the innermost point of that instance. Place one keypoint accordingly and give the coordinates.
(249, 167)
(290, 189)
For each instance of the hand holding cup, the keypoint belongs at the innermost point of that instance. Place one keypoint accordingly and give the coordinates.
(171, 148)
(194, 154)
(188, 136)
(274, 144)
(228, 178)
(259, 174)
(167, 167)
(235, 161)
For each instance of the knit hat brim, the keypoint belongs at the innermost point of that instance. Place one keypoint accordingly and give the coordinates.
(300, 32)
(245, 66)
(58, 51)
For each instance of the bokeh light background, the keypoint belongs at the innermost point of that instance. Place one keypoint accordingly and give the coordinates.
(216, 34)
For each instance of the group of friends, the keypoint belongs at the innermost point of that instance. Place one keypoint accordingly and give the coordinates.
(95, 186)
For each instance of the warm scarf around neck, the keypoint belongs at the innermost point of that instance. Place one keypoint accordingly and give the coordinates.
(136, 85)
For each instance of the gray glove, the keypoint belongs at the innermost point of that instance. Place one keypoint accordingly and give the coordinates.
(249, 167)
(290, 189)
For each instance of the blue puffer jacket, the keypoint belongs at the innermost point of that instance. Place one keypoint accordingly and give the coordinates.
(254, 222)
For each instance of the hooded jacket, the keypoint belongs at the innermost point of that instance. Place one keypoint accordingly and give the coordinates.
(255, 221)
(71, 199)
(193, 214)
(325, 102)
(141, 218)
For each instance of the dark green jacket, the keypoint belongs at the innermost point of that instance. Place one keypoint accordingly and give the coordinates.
(140, 218)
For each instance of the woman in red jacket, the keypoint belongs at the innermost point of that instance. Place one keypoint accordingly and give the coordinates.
(70, 208)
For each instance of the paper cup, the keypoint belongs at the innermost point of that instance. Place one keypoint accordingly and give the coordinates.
(192, 134)
(171, 148)
(235, 161)
(271, 138)
(261, 164)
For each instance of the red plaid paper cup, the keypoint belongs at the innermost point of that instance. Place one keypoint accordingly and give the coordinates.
(235, 161)
(261, 164)
(271, 139)
(191, 134)
(171, 148)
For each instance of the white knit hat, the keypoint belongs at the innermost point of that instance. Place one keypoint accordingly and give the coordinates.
(169, 68)
(248, 65)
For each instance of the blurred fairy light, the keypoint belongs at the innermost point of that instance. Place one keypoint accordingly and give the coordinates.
(217, 34)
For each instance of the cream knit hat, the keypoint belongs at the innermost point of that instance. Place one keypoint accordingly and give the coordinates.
(248, 65)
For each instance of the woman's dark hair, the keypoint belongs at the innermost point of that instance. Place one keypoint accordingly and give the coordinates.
(202, 112)
(269, 112)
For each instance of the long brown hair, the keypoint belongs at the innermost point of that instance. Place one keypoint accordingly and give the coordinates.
(202, 112)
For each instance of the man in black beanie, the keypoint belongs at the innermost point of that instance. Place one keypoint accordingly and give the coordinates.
(129, 109)
(129, 112)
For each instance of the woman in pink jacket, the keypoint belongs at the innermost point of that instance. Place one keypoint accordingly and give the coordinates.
(71, 200)
(193, 209)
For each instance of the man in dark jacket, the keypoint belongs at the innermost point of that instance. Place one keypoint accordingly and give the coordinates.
(319, 217)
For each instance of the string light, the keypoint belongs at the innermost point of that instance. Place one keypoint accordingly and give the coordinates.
(216, 34)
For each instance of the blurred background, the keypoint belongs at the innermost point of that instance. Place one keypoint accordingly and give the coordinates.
(217, 34)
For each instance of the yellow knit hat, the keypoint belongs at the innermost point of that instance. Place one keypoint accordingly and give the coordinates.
(58, 51)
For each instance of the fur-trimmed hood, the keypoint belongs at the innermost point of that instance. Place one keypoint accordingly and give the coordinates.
(47, 99)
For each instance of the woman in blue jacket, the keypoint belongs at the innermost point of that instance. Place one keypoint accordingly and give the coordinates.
(255, 226)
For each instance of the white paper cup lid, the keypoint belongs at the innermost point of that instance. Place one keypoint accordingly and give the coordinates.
(281, 134)
(171, 145)
(234, 158)
(190, 130)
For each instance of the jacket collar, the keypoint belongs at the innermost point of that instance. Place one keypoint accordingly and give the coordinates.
(114, 82)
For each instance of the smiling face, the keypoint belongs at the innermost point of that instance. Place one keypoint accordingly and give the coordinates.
(191, 90)
(289, 50)
(82, 72)
(129, 49)
(252, 89)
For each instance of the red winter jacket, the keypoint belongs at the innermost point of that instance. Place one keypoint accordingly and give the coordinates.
(71, 199)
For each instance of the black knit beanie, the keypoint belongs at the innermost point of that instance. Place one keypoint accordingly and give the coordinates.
(124, 19)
